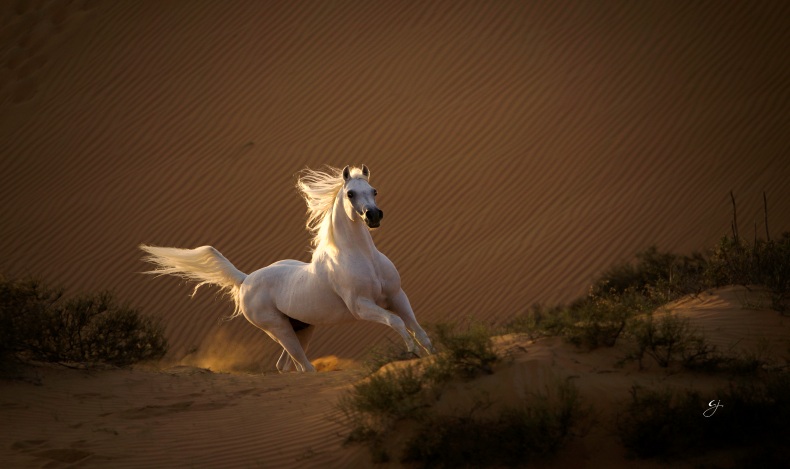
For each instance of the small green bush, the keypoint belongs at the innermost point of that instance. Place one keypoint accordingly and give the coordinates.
(514, 436)
(374, 406)
(40, 324)
(767, 263)
(652, 267)
(666, 339)
(599, 320)
(538, 321)
(465, 354)
(661, 276)
(388, 397)
(22, 304)
(702, 356)
(384, 398)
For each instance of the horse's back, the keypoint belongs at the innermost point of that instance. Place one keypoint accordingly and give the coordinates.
(289, 262)
(275, 276)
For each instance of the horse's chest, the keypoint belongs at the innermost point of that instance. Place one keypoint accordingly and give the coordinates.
(368, 282)
(379, 292)
(374, 287)
(380, 297)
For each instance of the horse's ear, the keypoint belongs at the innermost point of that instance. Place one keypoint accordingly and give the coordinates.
(365, 172)
(346, 173)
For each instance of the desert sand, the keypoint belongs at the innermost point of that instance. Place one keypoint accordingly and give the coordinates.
(185, 416)
(519, 149)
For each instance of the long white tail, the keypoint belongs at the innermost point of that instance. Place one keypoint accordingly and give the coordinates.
(204, 265)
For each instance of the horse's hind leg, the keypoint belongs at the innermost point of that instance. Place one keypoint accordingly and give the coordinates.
(285, 362)
(290, 343)
(284, 335)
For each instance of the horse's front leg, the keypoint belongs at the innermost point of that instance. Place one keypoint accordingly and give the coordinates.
(367, 310)
(402, 308)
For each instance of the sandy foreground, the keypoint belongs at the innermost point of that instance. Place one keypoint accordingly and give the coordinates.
(192, 417)
(519, 148)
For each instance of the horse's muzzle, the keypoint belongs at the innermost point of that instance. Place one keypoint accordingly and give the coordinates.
(373, 217)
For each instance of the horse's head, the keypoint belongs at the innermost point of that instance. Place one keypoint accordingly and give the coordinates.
(359, 198)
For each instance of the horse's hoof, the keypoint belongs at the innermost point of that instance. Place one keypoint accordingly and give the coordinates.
(407, 355)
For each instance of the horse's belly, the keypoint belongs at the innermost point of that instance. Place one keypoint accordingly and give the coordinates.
(305, 297)
(312, 308)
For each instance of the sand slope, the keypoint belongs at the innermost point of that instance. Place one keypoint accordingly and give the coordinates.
(181, 417)
(186, 416)
(518, 147)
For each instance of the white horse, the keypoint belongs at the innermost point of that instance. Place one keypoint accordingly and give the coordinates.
(347, 279)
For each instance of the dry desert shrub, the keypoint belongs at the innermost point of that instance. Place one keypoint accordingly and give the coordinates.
(40, 323)
(515, 436)
(402, 398)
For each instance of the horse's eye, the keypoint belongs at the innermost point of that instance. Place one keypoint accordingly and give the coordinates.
(350, 194)
(375, 192)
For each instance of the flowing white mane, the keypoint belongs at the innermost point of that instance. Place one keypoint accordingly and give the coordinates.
(319, 190)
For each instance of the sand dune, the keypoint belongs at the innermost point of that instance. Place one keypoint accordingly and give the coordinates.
(519, 148)
(186, 416)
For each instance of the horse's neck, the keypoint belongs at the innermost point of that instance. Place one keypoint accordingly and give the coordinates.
(349, 235)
